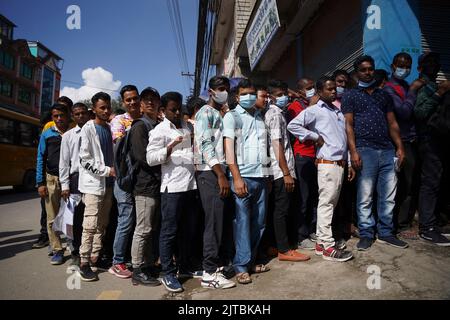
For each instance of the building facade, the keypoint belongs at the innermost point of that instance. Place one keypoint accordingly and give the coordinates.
(289, 39)
(30, 73)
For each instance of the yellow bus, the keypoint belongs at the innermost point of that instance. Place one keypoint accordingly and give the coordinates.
(19, 139)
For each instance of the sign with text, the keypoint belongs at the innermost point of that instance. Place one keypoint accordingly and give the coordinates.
(264, 26)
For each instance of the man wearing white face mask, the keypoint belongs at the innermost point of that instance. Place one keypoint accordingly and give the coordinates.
(246, 156)
(404, 98)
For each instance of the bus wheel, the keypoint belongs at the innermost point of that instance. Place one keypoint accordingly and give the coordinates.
(29, 182)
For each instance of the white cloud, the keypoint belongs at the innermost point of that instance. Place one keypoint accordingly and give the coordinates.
(95, 80)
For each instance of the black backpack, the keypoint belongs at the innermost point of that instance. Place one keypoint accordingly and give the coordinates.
(125, 167)
(439, 121)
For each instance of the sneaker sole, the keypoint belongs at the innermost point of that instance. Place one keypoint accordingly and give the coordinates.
(118, 275)
(309, 249)
(438, 244)
(227, 286)
(56, 263)
(172, 290)
(336, 259)
(87, 279)
(392, 245)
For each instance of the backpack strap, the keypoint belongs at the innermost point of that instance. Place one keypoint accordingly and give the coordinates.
(399, 90)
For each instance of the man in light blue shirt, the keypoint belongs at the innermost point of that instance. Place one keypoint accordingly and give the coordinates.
(247, 158)
(324, 124)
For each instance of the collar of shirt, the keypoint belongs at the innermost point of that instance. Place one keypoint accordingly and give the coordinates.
(55, 129)
(333, 108)
(243, 111)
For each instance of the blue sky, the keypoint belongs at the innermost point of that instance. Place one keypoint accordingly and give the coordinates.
(131, 39)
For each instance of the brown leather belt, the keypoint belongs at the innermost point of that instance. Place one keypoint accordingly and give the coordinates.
(340, 163)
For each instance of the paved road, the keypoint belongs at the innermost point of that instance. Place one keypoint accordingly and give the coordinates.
(419, 272)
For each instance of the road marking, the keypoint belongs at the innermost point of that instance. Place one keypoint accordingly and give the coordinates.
(109, 295)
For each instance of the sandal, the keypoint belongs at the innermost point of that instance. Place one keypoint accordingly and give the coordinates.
(260, 268)
(243, 278)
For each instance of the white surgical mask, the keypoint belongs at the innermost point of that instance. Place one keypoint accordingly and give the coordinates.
(340, 91)
(401, 73)
(310, 93)
(220, 97)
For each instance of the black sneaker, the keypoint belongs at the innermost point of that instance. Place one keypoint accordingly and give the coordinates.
(364, 244)
(435, 237)
(141, 277)
(75, 263)
(41, 242)
(87, 274)
(393, 241)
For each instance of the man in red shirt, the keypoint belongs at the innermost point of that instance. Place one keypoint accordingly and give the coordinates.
(306, 170)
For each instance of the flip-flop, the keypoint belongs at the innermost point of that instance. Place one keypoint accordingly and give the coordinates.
(243, 278)
(260, 268)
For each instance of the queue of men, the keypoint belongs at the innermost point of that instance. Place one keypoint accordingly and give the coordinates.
(214, 193)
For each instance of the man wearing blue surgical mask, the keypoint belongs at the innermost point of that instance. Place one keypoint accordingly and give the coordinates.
(373, 141)
(341, 78)
(282, 170)
(404, 98)
(246, 156)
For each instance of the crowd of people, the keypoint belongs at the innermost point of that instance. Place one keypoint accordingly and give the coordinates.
(256, 172)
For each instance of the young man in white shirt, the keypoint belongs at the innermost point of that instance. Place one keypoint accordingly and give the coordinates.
(69, 161)
(170, 145)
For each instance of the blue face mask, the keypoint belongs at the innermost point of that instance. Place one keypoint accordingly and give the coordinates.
(340, 91)
(282, 102)
(247, 101)
(363, 84)
(402, 73)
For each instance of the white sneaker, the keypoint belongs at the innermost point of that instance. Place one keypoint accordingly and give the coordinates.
(216, 280)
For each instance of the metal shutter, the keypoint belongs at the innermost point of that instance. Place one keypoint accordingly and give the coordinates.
(339, 53)
(434, 21)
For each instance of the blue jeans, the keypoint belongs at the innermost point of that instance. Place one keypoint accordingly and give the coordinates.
(378, 174)
(249, 222)
(125, 222)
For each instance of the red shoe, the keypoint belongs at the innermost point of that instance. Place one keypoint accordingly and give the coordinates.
(120, 270)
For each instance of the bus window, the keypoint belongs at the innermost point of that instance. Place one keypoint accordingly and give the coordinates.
(6, 131)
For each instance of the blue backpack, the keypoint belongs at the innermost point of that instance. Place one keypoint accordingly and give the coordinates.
(125, 167)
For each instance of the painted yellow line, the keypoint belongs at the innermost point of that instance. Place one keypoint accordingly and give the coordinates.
(109, 295)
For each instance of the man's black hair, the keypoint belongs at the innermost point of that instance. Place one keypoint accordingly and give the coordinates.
(59, 107)
(340, 72)
(128, 87)
(245, 84)
(218, 81)
(403, 55)
(80, 105)
(100, 96)
(171, 96)
(194, 104)
(320, 84)
(276, 84)
(379, 75)
(65, 100)
(362, 59)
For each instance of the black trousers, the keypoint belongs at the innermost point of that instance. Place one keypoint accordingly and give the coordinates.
(433, 155)
(43, 220)
(281, 209)
(213, 207)
(306, 171)
(407, 197)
